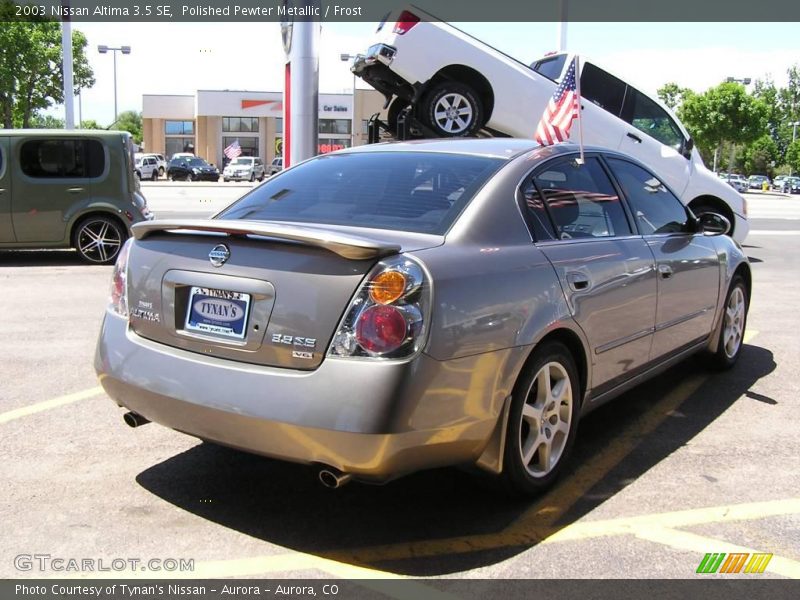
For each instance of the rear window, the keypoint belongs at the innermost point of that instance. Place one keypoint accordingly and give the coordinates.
(60, 158)
(410, 191)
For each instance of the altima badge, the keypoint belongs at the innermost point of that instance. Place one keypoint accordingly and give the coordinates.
(219, 255)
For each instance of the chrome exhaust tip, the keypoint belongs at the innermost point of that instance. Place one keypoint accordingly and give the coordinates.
(133, 419)
(333, 479)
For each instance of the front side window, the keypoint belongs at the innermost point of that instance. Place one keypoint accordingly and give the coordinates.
(407, 191)
(62, 158)
(603, 89)
(648, 117)
(655, 208)
(579, 199)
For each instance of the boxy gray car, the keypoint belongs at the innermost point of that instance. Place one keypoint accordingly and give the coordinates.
(61, 189)
(404, 306)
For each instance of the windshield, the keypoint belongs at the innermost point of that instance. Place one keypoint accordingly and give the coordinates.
(196, 162)
(241, 161)
(409, 191)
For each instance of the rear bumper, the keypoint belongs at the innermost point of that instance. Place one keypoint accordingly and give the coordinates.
(375, 420)
(374, 68)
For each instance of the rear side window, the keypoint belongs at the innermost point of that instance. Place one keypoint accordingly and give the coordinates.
(602, 88)
(655, 208)
(580, 200)
(421, 192)
(648, 117)
(550, 67)
(62, 159)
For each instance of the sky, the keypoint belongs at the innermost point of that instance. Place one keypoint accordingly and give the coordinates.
(180, 58)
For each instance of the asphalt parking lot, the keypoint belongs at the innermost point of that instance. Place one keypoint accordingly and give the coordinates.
(690, 463)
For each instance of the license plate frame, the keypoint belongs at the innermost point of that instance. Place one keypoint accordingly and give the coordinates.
(219, 313)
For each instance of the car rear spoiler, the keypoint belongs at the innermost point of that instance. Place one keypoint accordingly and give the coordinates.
(347, 246)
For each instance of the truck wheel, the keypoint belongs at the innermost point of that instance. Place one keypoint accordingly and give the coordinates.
(453, 109)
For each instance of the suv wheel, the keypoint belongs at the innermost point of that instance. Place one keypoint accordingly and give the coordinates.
(453, 109)
(734, 321)
(98, 240)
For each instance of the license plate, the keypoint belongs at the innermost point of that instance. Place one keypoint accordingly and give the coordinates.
(218, 312)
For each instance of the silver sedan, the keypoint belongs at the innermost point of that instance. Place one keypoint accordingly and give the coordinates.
(404, 306)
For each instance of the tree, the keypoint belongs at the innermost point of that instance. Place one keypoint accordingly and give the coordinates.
(130, 121)
(761, 156)
(31, 67)
(673, 95)
(793, 156)
(90, 124)
(725, 113)
(40, 121)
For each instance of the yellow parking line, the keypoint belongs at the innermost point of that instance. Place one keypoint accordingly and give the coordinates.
(682, 518)
(684, 540)
(48, 404)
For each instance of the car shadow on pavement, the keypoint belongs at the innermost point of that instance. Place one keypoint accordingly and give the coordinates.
(40, 258)
(447, 520)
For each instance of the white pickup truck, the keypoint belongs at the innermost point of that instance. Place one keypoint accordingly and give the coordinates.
(457, 86)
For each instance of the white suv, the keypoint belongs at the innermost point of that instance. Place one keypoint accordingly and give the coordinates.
(147, 167)
(457, 85)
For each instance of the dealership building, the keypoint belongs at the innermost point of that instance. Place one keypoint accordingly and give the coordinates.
(207, 122)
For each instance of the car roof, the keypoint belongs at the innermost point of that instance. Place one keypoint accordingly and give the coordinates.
(506, 148)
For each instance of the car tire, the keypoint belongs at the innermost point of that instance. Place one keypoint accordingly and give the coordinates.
(543, 420)
(734, 322)
(395, 108)
(98, 239)
(154, 175)
(190, 177)
(139, 175)
(160, 171)
(453, 109)
(226, 180)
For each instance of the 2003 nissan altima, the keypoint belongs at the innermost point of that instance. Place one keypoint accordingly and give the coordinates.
(404, 306)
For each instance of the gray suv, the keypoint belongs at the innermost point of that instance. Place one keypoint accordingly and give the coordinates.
(62, 189)
(244, 168)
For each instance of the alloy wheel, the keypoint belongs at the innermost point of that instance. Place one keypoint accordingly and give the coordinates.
(546, 420)
(99, 240)
(734, 322)
(453, 113)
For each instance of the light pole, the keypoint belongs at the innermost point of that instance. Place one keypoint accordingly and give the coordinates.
(345, 58)
(103, 49)
(794, 137)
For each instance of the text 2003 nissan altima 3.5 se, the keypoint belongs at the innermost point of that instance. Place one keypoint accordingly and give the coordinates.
(404, 306)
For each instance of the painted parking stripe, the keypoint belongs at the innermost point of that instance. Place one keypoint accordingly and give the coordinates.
(48, 404)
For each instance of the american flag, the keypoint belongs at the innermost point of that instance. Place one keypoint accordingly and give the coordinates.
(233, 150)
(560, 112)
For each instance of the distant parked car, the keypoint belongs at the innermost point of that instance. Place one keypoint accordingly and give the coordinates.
(147, 167)
(276, 166)
(736, 181)
(786, 184)
(244, 168)
(756, 182)
(192, 169)
(162, 163)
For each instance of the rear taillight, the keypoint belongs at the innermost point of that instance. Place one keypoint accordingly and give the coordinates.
(119, 281)
(405, 22)
(388, 316)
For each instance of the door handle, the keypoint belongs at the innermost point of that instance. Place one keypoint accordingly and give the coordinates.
(75, 190)
(665, 271)
(2, 190)
(578, 282)
(634, 137)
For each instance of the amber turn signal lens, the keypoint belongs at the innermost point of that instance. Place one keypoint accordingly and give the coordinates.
(387, 287)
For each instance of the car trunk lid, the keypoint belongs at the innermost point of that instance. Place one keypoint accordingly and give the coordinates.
(275, 298)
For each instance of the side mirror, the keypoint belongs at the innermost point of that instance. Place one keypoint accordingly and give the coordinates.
(688, 146)
(713, 224)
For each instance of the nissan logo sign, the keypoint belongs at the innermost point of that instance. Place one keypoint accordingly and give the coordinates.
(219, 255)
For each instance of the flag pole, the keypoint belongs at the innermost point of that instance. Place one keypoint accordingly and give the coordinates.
(578, 93)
